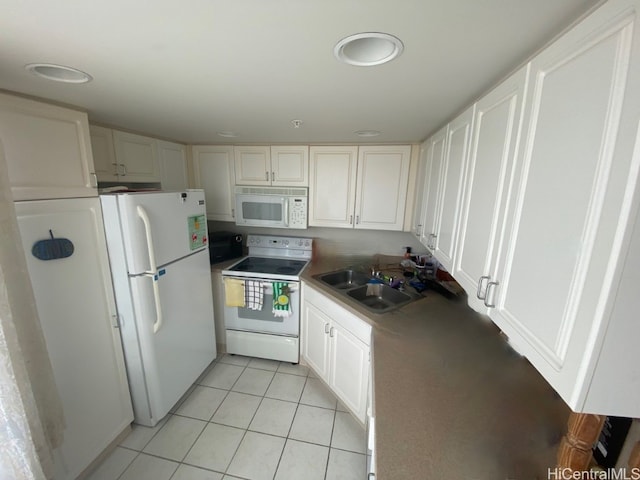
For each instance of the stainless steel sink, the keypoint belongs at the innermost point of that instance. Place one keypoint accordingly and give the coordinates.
(352, 284)
(344, 279)
(379, 297)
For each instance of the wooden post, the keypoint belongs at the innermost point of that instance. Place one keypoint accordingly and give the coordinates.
(634, 458)
(583, 431)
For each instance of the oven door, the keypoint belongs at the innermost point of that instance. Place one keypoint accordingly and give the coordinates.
(262, 210)
(264, 321)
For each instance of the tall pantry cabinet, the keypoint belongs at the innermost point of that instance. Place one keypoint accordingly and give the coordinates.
(48, 154)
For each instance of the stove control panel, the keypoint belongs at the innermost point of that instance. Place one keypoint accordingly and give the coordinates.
(279, 246)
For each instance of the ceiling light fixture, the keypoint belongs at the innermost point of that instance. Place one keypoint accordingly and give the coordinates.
(368, 49)
(367, 133)
(58, 73)
(296, 123)
(227, 134)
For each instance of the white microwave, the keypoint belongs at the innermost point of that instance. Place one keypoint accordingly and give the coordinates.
(271, 207)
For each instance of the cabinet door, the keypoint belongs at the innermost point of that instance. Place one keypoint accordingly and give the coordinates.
(315, 339)
(418, 203)
(214, 172)
(450, 201)
(253, 165)
(47, 150)
(78, 318)
(349, 378)
(290, 166)
(572, 179)
(383, 175)
(495, 138)
(173, 165)
(104, 155)
(332, 186)
(137, 157)
(436, 150)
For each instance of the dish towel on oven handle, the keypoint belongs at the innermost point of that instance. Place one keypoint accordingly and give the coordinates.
(234, 292)
(281, 300)
(253, 294)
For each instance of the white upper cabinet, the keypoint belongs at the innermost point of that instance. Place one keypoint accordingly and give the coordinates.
(47, 150)
(381, 192)
(290, 165)
(286, 166)
(136, 157)
(213, 167)
(495, 139)
(436, 149)
(365, 187)
(418, 202)
(104, 154)
(571, 215)
(332, 186)
(253, 165)
(173, 165)
(451, 188)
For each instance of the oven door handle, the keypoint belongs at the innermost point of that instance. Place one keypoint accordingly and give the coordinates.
(268, 285)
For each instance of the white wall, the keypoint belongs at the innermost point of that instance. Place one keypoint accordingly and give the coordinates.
(339, 241)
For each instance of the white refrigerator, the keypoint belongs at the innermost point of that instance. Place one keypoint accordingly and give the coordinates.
(158, 251)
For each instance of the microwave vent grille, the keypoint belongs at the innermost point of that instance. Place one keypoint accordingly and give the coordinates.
(291, 192)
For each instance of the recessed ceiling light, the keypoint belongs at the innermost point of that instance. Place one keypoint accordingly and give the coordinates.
(367, 133)
(227, 134)
(58, 73)
(368, 49)
(296, 123)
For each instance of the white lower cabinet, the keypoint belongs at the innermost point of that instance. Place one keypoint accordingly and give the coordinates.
(335, 344)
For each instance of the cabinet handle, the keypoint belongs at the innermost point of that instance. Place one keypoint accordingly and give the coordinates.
(357, 219)
(115, 170)
(94, 179)
(233, 213)
(326, 328)
(489, 285)
(273, 176)
(124, 169)
(266, 176)
(331, 330)
(418, 229)
(350, 219)
(482, 279)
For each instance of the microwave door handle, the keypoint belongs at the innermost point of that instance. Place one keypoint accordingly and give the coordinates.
(286, 212)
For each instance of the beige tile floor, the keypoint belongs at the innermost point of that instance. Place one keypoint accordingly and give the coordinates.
(246, 418)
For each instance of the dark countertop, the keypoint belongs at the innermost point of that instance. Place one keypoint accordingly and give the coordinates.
(452, 400)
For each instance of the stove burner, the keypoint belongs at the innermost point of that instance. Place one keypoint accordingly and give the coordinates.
(270, 265)
(286, 270)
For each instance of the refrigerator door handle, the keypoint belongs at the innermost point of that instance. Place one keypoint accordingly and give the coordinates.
(142, 213)
(156, 297)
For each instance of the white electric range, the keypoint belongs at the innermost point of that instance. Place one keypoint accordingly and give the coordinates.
(262, 332)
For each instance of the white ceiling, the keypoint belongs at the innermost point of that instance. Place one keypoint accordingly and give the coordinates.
(186, 70)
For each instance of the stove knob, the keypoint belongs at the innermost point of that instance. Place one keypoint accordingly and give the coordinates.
(286, 243)
(300, 242)
(306, 244)
(257, 240)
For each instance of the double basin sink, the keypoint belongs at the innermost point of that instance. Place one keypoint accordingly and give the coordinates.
(379, 298)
